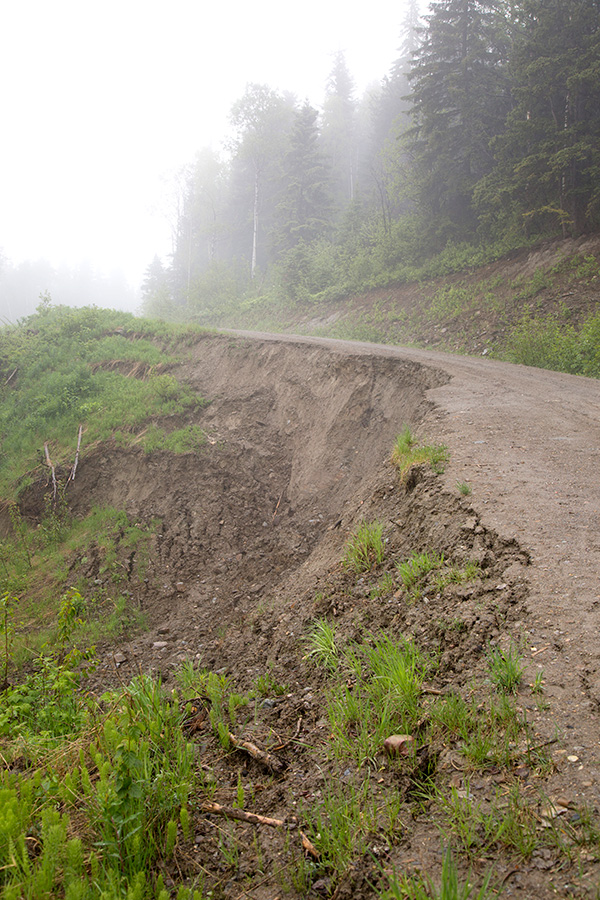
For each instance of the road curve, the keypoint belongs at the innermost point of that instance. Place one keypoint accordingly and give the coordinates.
(528, 442)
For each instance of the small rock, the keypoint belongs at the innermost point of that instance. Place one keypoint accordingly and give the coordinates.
(180, 586)
(163, 630)
(119, 658)
(398, 744)
(573, 758)
(159, 645)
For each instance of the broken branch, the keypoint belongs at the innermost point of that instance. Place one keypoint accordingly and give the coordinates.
(271, 762)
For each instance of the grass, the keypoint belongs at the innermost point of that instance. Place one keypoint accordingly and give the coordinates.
(505, 668)
(321, 645)
(365, 548)
(104, 369)
(415, 569)
(408, 453)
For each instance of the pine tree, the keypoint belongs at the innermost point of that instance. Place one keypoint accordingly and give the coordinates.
(338, 133)
(304, 209)
(549, 160)
(461, 98)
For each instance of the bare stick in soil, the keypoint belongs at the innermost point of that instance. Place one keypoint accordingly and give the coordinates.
(49, 463)
(231, 812)
(74, 469)
(272, 763)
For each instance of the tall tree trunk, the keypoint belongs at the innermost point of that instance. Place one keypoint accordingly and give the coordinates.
(255, 224)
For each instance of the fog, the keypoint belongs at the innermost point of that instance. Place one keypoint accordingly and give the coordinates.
(104, 103)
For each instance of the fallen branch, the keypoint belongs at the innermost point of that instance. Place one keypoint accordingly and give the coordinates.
(231, 812)
(271, 762)
(11, 376)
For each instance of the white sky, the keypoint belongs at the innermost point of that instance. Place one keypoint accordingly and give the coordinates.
(102, 101)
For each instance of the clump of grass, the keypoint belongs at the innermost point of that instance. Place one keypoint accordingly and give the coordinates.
(321, 645)
(415, 569)
(365, 548)
(407, 453)
(455, 575)
(463, 488)
(420, 887)
(506, 668)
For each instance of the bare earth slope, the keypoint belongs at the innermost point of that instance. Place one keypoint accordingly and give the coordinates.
(528, 442)
(253, 530)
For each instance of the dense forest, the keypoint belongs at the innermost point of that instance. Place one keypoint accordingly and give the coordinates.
(484, 136)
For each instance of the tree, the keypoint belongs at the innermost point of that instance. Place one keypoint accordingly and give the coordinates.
(304, 210)
(261, 120)
(548, 162)
(461, 97)
(338, 132)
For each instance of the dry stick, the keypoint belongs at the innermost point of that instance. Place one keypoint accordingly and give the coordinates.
(254, 819)
(74, 469)
(11, 376)
(262, 756)
(277, 507)
(49, 462)
(231, 812)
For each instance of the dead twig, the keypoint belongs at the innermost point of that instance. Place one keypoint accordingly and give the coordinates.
(49, 463)
(11, 376)
(293, 738)
(74, 469)
(231, 812)
(272, 763)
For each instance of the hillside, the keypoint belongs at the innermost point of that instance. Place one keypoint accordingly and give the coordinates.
(512, 308)
(252, 544)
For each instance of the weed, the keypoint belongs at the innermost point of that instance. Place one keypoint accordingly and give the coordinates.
(505, 668)
(417, 567)
(419, 887)
(365, 548)
(384, 586)
(537, 686)
(321, 645)
(267, 686)
(407, 453)
(463, 488)
(455, 575)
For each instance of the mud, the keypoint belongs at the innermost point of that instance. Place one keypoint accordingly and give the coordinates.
(250, 535)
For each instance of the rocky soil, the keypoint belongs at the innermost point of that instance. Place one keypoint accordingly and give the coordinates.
(248, 553)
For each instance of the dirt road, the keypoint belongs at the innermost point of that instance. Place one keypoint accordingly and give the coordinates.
(528, 443)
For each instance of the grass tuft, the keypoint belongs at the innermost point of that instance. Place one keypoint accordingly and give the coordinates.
(407, 453)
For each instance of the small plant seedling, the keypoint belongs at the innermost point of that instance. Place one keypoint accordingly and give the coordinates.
(365, 547)
(537, 686)
(506, 669)
(463, 488)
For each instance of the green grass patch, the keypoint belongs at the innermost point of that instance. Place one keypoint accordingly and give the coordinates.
(62, 367)
(365, 548)
(408, 453)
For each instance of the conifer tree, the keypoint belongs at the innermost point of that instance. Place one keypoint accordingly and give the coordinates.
(461, 97)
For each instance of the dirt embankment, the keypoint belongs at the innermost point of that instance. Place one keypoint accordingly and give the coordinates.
(252, 531)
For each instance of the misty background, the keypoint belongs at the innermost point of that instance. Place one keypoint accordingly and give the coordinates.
(103, 106)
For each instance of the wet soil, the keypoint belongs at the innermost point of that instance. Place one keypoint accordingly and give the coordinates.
(247, 554)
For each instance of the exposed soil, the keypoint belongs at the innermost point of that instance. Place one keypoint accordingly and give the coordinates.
(251, 536)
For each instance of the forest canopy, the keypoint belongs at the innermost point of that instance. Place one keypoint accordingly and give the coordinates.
(484, 135)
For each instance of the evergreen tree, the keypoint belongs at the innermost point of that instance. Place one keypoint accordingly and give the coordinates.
(304, 211)
(461, 97)
(338, 132)
(261, 119)
(549, 159)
